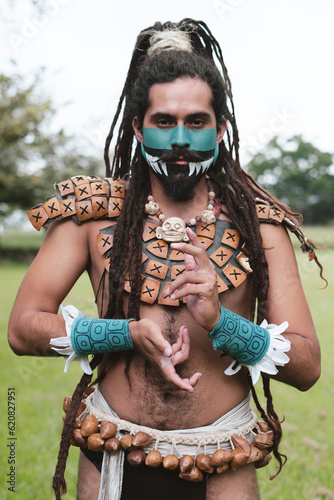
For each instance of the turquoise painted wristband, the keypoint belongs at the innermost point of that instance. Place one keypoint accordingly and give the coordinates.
(241, 339)
(94, 336)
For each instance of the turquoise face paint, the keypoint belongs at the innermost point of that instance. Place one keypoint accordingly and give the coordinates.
(158, 141)
(197, 140)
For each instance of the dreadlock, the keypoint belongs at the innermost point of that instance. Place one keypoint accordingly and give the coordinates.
(158, 59)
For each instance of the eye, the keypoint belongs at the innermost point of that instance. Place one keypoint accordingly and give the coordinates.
(177, 226)
(164, 123)
(167, 225)
(196, 123)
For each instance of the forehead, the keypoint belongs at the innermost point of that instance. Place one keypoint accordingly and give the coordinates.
(183, 96)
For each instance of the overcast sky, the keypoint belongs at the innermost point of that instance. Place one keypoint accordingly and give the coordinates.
(279, 55)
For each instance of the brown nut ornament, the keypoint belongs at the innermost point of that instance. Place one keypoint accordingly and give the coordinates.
(77, 423)
(89, 426)
(262, 463)
(107, 429)
(263, 426)
(222, 468)
(170, 462)
(203, 463)
(264, 440)
(220, 457)
(153, 458)
(194, 475)
(141, 439)
(66, 403)
(187, 462)
(239, 459)
(255, 454)
(136, 457)
(126, 441)
(79, 439)
(81, 409)
(95, 442)
(112, 445)
(241, 443)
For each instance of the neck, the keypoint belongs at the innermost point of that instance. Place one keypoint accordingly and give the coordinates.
(183, 209)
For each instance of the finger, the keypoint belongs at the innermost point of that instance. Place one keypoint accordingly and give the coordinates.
(182, 354)
(194, 238)
(190, 263)
(152, 340)
(195, 378)
(177, 346)
(198, 253)
(188, 278)
(158, 341)
(172, 377)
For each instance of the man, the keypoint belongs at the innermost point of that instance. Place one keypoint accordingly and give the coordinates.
(188, 266)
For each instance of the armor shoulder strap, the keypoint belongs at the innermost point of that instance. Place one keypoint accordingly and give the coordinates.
(82, 198)
(274, 215)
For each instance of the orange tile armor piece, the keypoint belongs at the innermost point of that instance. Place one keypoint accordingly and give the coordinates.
(85, 198)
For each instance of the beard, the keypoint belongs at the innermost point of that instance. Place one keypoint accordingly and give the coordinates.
(179, 185)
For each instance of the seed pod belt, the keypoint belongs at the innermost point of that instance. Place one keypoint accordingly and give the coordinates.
(98, 428)
(170, 437)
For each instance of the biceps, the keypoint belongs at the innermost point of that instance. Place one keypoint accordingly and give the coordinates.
(58, 265)
(286, 299)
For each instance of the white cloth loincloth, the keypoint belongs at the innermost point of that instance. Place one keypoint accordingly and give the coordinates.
(240, 420)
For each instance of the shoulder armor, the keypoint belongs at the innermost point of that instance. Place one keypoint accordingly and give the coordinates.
(268, 213)
(274, 215)
(82, 198)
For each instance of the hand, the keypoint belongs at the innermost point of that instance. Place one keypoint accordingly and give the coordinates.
(198, 282)
(148, 340)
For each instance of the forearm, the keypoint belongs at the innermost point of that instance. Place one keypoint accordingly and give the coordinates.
(30, 332)
(304, 367)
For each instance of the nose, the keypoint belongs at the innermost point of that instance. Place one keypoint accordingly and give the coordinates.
(180, 138)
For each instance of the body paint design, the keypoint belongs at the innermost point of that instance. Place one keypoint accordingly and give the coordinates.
(156, 142)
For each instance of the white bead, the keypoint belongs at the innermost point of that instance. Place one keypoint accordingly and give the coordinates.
(212, 194)
(150, 198)
(192, 222)
(210, 207)
(162, 217)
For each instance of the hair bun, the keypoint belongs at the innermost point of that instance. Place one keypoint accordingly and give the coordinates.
(169, 40)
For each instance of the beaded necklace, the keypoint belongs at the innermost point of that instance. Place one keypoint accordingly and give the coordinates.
(173, 228)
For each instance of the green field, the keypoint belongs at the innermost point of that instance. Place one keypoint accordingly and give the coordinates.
(40, 386)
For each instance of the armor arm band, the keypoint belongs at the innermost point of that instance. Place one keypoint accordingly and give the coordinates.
(90, 336)
(261, 348)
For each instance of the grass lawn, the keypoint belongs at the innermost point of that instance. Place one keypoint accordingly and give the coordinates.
(40, 386)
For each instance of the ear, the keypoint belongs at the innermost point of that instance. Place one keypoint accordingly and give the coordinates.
(137, 132)
(221, 129)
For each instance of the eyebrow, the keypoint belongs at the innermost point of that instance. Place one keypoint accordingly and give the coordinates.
(192, 116)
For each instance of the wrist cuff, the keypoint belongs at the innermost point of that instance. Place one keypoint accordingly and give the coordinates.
(240, 338)
(94, 336)
(244, 342)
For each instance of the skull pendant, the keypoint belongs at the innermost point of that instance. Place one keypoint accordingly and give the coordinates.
(152, 207)
(173, 230)
(208, 217)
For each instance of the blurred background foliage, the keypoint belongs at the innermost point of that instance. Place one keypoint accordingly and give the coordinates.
(300, 175)
(33, 156)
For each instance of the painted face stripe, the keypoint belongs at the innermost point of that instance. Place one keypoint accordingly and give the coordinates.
(157, 153)
(198, 140)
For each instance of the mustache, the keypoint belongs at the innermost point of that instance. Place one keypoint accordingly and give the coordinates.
(186, 154)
